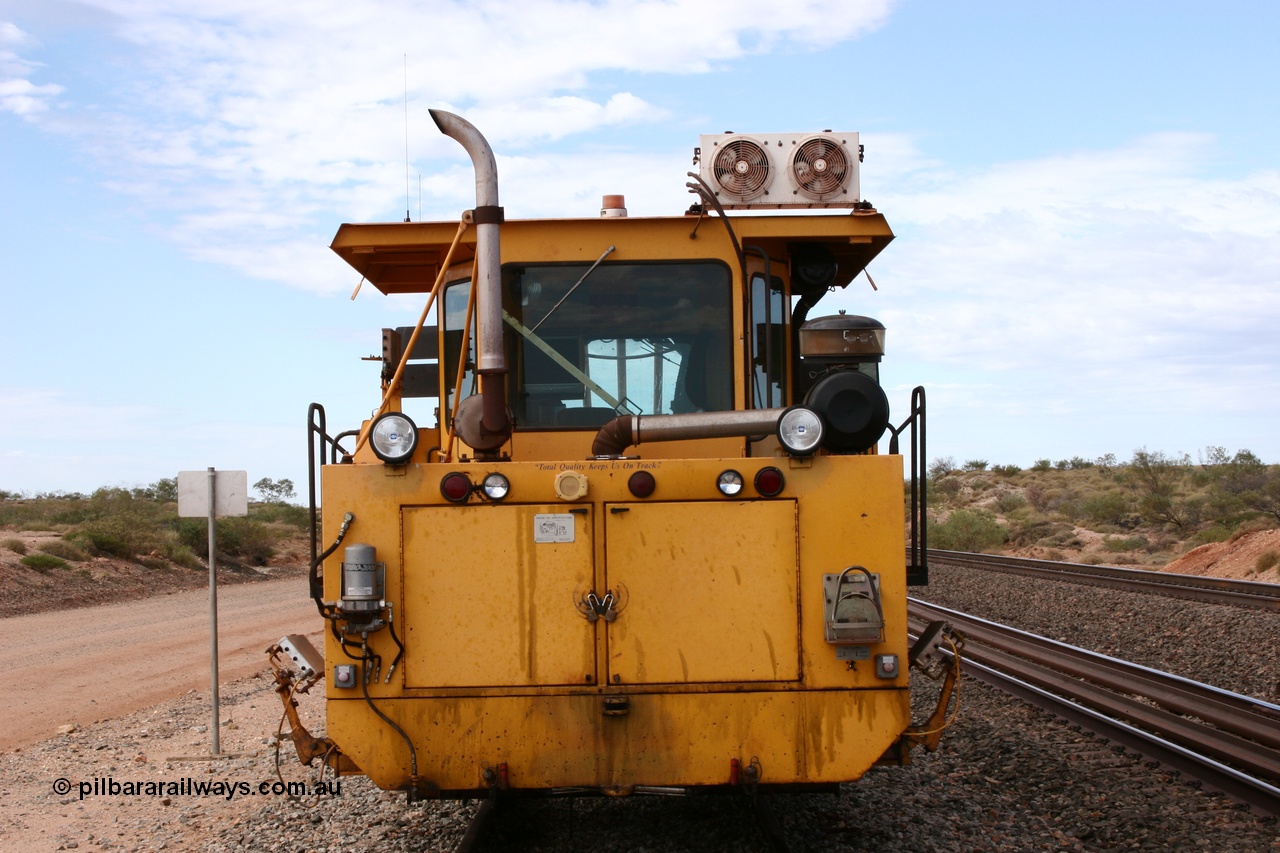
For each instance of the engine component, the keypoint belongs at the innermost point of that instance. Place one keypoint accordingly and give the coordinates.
(363, 582)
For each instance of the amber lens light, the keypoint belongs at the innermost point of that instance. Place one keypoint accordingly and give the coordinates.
(769, 482)
(495, 486)
(729, 483)
(393, 438)
(455, 487)
(642, 484)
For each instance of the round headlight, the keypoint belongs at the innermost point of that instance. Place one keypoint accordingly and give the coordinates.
(393, 438)
(495, 486)
(800, 430)
(729, 483)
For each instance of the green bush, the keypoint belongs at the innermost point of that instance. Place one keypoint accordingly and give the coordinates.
(43, 562)
(17, 546)
(967, 530)
(101, 542)
(1010, 501)
(65, 550)
(1132, 543)
(1107, 508)
(244, 538)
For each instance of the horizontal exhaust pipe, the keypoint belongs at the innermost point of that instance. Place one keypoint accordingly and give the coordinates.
(628, 430)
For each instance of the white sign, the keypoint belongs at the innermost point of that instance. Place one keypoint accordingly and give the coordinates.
(231, 494)
(553, 527)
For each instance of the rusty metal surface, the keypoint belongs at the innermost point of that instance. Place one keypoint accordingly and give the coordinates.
(1229, 741)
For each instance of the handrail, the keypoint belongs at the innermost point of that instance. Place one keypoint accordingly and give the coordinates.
(918, 520)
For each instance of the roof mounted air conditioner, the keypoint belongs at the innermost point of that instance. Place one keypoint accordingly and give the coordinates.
(781, 170)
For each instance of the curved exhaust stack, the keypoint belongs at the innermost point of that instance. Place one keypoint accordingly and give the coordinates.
(623, 432)
(493, 426)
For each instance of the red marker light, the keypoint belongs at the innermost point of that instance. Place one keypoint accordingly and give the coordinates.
(455, 487)
(770, 482)
(642, 484)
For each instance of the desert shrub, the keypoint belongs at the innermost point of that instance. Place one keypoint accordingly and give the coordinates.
(976, 465)
(1006, 470)
(1212, 533)
(947, 487)
(1010, 501)
(283, 513)
(17, 546)
(100, 540)
(1041, 465)
(967, 530)
(942, 466)
(1106, 508)
(244, 538)
(1037, 532)
(65, 550)
(1116, 544)
(43, 562)
(176, 552)
(1267, 560)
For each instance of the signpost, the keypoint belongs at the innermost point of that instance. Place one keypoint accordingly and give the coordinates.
(213, 493)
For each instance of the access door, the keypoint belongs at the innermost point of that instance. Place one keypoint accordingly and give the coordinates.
(708, 592)
(489, 596)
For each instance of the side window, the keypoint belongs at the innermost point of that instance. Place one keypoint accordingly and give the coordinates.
(768, 343)
(456, 297)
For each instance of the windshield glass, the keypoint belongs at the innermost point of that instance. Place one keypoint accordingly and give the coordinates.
(628, 338)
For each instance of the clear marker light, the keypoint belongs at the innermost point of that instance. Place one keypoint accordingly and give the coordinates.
(729, 483)
(495, 486)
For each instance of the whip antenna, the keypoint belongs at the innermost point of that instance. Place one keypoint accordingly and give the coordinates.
(406, 137)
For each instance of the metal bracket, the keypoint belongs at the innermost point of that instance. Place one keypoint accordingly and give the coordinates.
(852, 606)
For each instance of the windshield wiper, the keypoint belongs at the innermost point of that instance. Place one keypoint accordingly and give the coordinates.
(570, 291)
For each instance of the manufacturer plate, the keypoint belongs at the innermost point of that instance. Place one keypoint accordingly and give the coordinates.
(553, 527)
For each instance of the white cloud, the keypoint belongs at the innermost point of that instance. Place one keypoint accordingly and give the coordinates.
(241, 121)
(18, 94)
(1115, 286)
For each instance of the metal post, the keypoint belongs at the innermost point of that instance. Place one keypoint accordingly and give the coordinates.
(213, 608)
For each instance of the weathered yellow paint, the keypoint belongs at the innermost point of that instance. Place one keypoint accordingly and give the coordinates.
(476, 585)
(666, 739)
(712, 592)
(716, 637)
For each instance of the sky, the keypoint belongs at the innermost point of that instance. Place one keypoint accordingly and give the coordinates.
(1086, 198)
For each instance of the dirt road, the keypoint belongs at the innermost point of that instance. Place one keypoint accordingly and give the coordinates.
(96, 663)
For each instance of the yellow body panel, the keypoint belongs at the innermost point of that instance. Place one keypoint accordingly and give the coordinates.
(550, 741)
(476, 584)
(718, 641)
(711, 591)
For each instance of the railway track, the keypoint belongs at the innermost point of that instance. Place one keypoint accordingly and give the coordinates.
(1236, 593)
(1227, 741)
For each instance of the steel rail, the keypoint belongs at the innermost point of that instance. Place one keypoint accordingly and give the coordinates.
(1237, 593)
(1236, 754)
